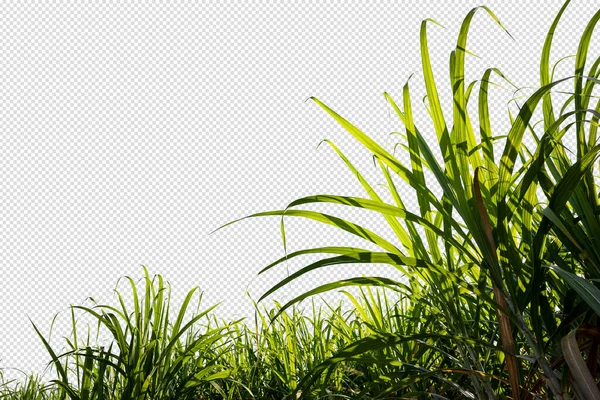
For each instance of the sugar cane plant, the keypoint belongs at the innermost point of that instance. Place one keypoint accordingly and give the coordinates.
(507, 273)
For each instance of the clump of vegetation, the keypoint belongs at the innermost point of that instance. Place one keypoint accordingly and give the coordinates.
(501, 298)
(200, 357)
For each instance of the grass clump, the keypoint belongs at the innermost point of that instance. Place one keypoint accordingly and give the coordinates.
(496, 294)
(152, 353)
(198, 357)
(31, 388)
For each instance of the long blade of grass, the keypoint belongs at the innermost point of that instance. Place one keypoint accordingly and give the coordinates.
(586, 290)
(392, 222)
(330, 220)
(390, 210)
(545, 77)
(580, 61)
(586, 384)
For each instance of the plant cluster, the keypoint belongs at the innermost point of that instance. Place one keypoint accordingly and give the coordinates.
(198, 357)
(496, 295)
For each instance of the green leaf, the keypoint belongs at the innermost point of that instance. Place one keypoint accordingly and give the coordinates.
(584, 288)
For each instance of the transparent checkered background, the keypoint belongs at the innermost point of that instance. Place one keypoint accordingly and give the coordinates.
(128, 132)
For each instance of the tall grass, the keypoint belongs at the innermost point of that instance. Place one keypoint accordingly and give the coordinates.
(31, 388)
(495, 295)
(203, 358)
(151, 355)
(509, 255)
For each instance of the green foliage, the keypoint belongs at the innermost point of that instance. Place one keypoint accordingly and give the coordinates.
(32, 388)
(476, 256)
(203, 358)
(495, 293)
(149, 357)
